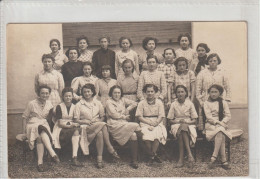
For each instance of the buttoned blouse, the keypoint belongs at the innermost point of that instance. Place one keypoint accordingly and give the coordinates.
(86, 56)
(206, 78)
(128, 83)
(144, 109)
(184, 111)
(89, 110)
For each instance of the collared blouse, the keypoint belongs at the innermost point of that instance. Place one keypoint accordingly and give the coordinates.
(129, 85)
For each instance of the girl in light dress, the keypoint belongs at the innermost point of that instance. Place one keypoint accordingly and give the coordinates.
(217, 116)
(50, 77)
(37, 128)
(150, 113)
(182, 116)
(78, 82)
(57, 54)
(186, 51)
(126, 53)
(85, 54)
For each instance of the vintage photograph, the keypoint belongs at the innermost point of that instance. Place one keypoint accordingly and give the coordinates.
(127, 99)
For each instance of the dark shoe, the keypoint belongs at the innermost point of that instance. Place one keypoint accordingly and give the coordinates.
(157, 159)
(115, 155)
(40, 168)
(191, 162)
(56, 159)
(75, 162)
(100, 165)
(212, 164)
(225, 165)
(150, 161)
(134, 165)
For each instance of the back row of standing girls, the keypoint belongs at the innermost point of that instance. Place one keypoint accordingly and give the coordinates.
(166, 74)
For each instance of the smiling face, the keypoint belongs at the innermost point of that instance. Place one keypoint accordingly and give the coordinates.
(104, 43)
(152, 65)
(106, 73)
(73, 55)
(87, 93)
(128, 68)
(87, 70)
(67, 97)
(168, 54)
(54, 47)
(214, 93)
(125, 44)
(116, 94)
(44, 94)
(150, 93)
(83, 44)
(150, 46)
(47, 64)
(181, 94)
(213, 63)
(184, 43)
(182, 66)
(201, 51)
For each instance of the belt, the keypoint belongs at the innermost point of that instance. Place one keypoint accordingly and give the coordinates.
(151, 116)
(133, 93)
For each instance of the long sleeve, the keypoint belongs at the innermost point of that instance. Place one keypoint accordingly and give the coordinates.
(193, 112)
(171, 114)
(112, 112)
(136, 63)
(75, 87)
(58, 113)
(77, 111)
(227, 87)
(26, 113)
(163, 87)
(113, 57)
(95, 63)
(199, 83)
(227, 114)
(60, 83)
(208, 114)
(130, 104)
(101, 110)
(140, 87)
(36, 83)
(116, 65)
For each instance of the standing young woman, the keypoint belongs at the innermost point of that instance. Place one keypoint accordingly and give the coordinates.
(85, 54)
(57, 54)
(51, 78)
(152, 76)
(150, 113)
(186, 51)
(73, 68)
(78, 82)
(118, 121)
(37, 128)
(126, 53)
(90, 115)
(182, 116)
(217, 114)
(202, 50)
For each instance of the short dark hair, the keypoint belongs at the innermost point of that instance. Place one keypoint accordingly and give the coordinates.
(66, 90)
(87, 63)
(183, 87)
(44, 56)
(185, 35)
(43, 87)
(152, 56)
(205, 46)
(125, 38)
(128, 61)
(180, 59)
(173, 51)
(218, 87)
(112, 89)
(104, 37)
(72, 48)
(81, 38)
(155, 88)
(89, 86)
(55, 40)
(146, 40)
(211, 56)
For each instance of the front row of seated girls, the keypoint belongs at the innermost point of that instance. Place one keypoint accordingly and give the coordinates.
(85, 122)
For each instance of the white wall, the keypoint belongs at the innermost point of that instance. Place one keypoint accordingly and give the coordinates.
(26, 44)
(229, 41)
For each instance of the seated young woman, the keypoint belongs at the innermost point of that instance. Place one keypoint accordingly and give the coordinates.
(182, 116)
(150, 113)
(37, 128)
(89, 113)
(122, 131)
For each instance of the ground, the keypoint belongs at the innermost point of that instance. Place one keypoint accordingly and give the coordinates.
(239, 164)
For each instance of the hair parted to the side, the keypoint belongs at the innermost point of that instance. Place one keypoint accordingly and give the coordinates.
(81, 38)
(111, 90)
(203, 45)
(183, 87)
(72, 48)
(155, 88)
(218, 87)
(43, 87)
(55, 40)
(44, 56)
(212, 56)
(89, 86)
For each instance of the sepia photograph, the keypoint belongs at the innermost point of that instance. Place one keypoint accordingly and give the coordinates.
(127, 99)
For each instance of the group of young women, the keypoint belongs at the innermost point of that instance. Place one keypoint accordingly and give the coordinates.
(126, 96)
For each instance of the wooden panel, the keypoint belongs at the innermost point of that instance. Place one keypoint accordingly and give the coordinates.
(163, 31)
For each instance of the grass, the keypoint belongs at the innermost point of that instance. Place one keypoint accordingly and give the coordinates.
(239, 164)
